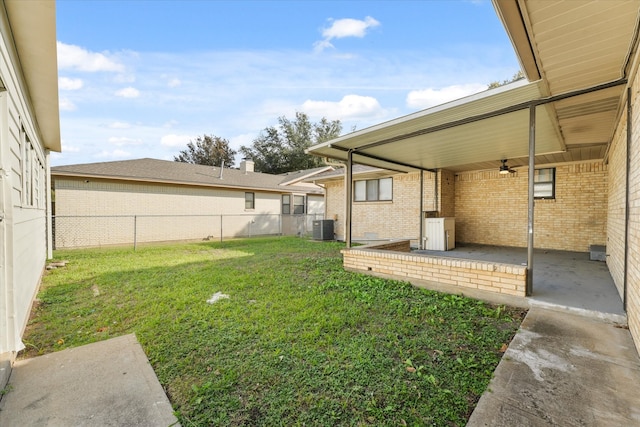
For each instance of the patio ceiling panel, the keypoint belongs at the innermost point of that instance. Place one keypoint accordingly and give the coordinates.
(579, 44)
(489, 140)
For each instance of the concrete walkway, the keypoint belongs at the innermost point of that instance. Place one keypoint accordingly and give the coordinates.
(108, 383)
(563, 369)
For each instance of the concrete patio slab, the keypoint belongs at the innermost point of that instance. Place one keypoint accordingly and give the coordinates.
(108, 383)
(561, 279)
(564, 369)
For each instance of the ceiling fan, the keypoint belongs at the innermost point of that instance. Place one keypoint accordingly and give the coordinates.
(504, 169)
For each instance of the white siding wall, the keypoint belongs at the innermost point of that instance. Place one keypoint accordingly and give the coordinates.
(315, 205)
(23, 206)
(162, 212)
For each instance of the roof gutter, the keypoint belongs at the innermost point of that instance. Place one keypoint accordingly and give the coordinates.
(55, 174)
(510, 13)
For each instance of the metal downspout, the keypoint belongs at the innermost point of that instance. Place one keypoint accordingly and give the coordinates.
(627, 204)
(348, 187)
(48, 204)
(532, 165)
(436, 192)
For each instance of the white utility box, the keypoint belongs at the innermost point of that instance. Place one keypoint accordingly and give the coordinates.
(439, 234)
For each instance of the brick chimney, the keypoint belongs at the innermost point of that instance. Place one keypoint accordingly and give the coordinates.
(246, 165)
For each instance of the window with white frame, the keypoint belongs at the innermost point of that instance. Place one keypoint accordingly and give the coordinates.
(373, 190)
(249, 200)
(544, 183)
(30, 171)
(299, 204)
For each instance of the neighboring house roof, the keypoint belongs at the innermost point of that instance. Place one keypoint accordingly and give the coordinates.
(576, 48)
(33, 26)
(168, 172)
(358, 171)
(291, 178)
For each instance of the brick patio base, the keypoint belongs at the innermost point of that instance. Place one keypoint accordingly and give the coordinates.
(394, 260)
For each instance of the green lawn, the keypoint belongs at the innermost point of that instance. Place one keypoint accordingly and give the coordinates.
(299, 341)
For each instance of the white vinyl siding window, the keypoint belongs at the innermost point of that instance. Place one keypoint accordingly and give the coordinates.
(373, 190)
(544, 183)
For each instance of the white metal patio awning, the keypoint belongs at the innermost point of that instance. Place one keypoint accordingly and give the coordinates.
(415, 141)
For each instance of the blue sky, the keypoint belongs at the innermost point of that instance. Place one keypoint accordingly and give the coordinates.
(143, 78)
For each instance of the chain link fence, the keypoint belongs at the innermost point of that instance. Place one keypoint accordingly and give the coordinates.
(111, 230)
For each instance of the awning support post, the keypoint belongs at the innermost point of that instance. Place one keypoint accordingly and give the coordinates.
(421, 213)
(348, 186)
(532, 165)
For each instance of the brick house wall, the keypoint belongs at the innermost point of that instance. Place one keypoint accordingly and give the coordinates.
(491, 209)
(633, 273)
(617, 163)
(373, 219)
(617, 207)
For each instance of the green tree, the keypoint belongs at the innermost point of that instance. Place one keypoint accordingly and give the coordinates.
(282, 149)
(517, 76)
(207, 150)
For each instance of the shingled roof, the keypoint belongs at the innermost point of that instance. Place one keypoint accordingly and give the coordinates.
(168, 172)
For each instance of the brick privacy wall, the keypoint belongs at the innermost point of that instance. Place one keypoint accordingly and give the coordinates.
(486, 276)
(491, 208)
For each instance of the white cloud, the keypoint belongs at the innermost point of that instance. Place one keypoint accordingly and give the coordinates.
(169, 124)
(341, 28)
(119, 125)
(121, 140)
(349, 28)
(65, 83)
(128, 92)
(349, 107)
(174, 83)
(175, 140)
(321, 45)
(431, 97)
(76, 58)
(115, 154)
(67, 148)
(65, 104)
